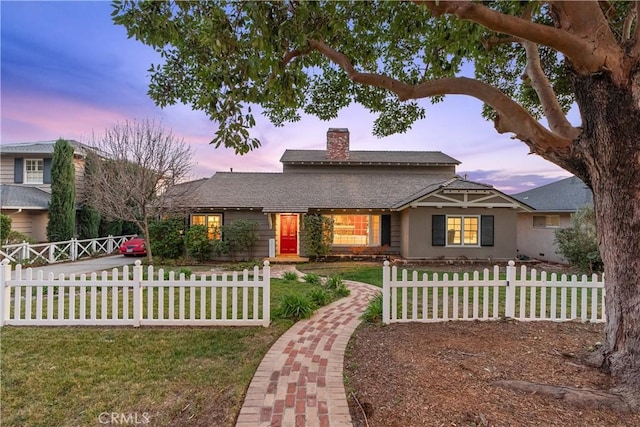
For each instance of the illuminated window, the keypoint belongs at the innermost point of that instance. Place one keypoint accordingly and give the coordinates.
(212, 222)
(463, 230)
(356, 230)
(34, 171)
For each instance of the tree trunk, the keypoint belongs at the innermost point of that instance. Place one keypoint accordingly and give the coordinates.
(147, 240)
(607, 157)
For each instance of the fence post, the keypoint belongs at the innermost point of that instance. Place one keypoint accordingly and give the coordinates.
(109, 244)
(510, 297)
(25, 251)
(386, 283)
(5, 291)
(137, 294)
(266, 294)
(73, 248)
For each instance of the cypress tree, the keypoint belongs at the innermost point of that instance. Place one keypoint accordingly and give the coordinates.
(89, 218)
(62, 209)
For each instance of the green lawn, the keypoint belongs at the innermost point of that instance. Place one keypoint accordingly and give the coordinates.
(69, 376)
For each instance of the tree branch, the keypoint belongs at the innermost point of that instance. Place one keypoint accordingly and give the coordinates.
(628, 22)
(635, 49)
(577, 43)
(511, 117)
(557, 119)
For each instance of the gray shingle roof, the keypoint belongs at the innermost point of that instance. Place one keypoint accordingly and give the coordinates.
(375, 157)
(278, 192)
(41, 147)
(23, 197)
(566, 195)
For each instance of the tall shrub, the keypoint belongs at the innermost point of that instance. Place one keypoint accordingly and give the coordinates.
(579, 243)
(240, 236)
(196, 242)
(5, 227)
(166, 237)
(318, 235)
(88, 223)
(62, 209)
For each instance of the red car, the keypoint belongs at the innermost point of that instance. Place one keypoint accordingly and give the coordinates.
(133, 247)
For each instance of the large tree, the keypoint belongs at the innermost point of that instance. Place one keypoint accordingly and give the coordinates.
(140, 161)
(532, 62)
(62, 208)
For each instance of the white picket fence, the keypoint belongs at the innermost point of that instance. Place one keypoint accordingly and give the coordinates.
(484, 296)
(69, 250)
(127, 297)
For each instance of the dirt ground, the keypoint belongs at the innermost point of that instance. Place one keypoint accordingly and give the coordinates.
(444, 374)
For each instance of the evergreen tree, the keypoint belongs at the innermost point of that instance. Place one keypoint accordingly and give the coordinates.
(62, 209)
(89, 218)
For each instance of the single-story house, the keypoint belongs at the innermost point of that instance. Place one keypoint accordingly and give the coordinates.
(554, 205)
(25, 184)
(404, 203)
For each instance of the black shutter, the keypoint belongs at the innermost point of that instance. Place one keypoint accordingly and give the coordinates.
(486, 230)
(18, 170)
(385, 230)
(438, 230)
(46, 169)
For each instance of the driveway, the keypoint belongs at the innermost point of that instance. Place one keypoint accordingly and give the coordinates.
(86, 265)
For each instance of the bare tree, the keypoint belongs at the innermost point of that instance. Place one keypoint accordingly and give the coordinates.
(140, 161)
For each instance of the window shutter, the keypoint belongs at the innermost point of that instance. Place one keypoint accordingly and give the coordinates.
(385, 230)
(438, 230)
(18, 170)
(486, 230)
(46, 169)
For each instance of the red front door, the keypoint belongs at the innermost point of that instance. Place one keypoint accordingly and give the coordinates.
(288, 234)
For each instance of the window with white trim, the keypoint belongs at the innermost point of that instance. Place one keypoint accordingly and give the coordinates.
(356, 230)
(33, 171)
(463, 230)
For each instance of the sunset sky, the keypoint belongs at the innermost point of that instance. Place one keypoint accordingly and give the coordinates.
(67, 71)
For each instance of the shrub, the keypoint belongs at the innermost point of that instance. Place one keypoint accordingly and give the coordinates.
(342, 291)
(334, 282)
(295, 307)
(373, 312)
(166, 237)
(5, 227)
(579, 243)
(318, 235)
(196, 242)
(219, 248)
(88, 223)
(291, 276)
(319, 297)
(62, 207)
(312, 279)
(240, 236)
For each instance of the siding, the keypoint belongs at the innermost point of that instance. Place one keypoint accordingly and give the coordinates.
(416, 231)
(538, 242)
(31, 223)
(6, 170)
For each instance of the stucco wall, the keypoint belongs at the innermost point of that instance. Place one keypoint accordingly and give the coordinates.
(538, 242)
(417, 243)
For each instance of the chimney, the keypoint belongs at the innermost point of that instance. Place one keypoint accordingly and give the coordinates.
(338, 144)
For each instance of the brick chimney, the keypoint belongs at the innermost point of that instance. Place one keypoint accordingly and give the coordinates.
(338, 144)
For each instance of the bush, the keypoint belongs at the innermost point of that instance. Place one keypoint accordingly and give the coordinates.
(312, 279)
(373, 312)
(319, 297)
(219, 248)
(240, 236)
(318, 235)
(342, 291)
(196, 242)
(291, 276)
(579, 243)
(88, 223)
(5, 227)
(334, 282)
(166, 238)
(295, 307)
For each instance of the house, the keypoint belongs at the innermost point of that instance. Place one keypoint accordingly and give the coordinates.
(25, 183)
(405, 203)
(554, 205)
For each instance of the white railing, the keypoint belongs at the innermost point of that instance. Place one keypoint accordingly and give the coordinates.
(484, 296)
(129, 297)
(69, 250)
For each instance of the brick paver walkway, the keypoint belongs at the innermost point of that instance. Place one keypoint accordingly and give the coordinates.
(299, 381)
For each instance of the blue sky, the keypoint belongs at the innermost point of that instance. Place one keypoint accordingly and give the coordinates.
(67, 71)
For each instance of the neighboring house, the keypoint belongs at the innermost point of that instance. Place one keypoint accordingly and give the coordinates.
(25, 183)
(554, 205)
(410, 204)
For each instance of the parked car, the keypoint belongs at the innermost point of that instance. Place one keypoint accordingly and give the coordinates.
(133, 247)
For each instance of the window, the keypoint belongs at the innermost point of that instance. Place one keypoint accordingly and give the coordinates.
(34, 171)
(360, 230)
(463, 230)
(213, 222)
(546, 221)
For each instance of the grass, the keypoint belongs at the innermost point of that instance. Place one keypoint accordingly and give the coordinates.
(69, 376)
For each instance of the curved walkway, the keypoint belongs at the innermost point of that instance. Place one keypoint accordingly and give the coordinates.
(299, 381)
